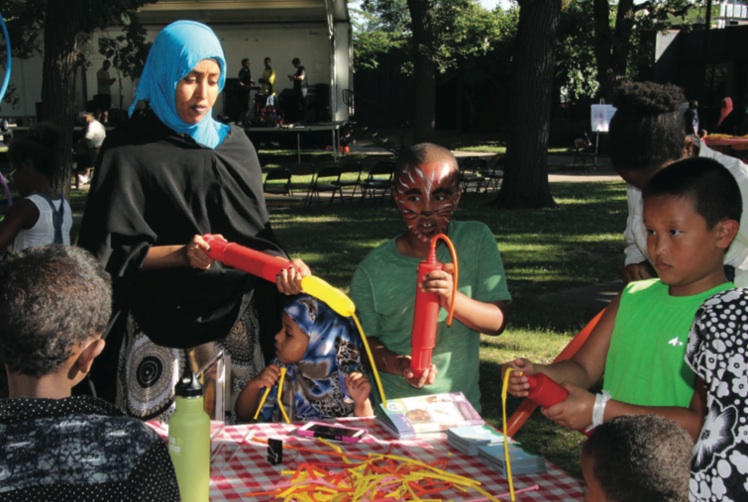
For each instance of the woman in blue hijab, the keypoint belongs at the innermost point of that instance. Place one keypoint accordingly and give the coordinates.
(162, 180)
(178, 51)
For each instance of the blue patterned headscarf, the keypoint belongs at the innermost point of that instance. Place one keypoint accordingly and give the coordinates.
(317, 382)
(178, 48)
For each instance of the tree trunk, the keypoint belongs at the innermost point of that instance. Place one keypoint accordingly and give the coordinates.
(603, 43)
(424, 71)
(58, 81)
(622, 37)
(526, 173)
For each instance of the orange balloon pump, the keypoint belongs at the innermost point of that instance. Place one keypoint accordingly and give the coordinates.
(425, 315)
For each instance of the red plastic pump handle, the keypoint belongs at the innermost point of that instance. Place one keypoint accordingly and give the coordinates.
(243, 258)
(425, 314)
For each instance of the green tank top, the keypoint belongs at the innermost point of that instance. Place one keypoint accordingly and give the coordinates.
(645, 364)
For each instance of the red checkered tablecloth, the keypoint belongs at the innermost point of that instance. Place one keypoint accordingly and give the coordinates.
(249, 471)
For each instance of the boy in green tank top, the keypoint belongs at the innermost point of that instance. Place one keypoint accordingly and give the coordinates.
(691, 213)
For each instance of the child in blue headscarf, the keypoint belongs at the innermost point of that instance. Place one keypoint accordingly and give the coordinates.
(324, 377)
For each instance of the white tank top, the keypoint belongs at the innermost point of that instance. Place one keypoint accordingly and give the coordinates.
(43, 232)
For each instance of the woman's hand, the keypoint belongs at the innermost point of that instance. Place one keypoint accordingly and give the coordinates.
(289, 280)
(196, 253)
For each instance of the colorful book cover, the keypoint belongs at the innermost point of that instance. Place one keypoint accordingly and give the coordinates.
(420, 415)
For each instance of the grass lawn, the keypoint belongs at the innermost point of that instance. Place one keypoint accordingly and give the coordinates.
(577, 244)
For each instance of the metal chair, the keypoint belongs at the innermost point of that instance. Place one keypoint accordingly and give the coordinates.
(378, 182)
(493, 174)
(277, 181)
(302, 177)
(348, 185)
(326, 181)
(470, 169)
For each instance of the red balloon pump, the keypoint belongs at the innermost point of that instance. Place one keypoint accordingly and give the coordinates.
(423, 338)
(544, 390)
(253, 262)
(268, 267)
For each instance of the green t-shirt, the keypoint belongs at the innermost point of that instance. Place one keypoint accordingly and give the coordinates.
(383, 289)
(645, 364)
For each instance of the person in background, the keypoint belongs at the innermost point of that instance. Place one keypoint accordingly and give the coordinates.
(6, 134)
(691, 211)
(245, 86)
(321, 352)
(646, 134)
(103, 98)
(692, 118)
(162, 181)
(90, 143)
(267, 81)
(637, 457)
(427, 191)
(299, 88)
(728, 121)
(42, 216)
(55, 303)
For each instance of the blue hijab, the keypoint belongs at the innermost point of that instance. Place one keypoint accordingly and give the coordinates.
(178, 48)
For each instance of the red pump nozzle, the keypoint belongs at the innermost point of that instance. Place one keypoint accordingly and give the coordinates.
(544, 390)
(423, 338)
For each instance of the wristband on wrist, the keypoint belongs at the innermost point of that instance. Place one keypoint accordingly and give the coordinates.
(598, 411)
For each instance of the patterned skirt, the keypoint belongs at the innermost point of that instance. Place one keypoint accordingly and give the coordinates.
(147, 373)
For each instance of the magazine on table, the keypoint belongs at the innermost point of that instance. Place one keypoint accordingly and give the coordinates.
(417, 416)
(468, 438)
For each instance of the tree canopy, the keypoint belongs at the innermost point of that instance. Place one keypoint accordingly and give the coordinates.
(66, 25)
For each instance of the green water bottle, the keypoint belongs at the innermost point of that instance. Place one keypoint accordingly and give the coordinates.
(189, 440)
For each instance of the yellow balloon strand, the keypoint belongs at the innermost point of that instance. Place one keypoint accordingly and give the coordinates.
(507, 460)
(280, 391)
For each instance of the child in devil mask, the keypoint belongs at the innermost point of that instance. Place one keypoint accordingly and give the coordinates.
(427, 191)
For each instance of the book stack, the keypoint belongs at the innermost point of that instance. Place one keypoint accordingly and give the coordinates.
(522, 462)
(420, 416)
(468, 438)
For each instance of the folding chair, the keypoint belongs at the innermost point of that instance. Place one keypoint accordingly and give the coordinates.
(378, 182)
(326, 181)
(348, 185)
(520, 416)
(583, 150)
(277, 181)
(470, 168)
(493, 174)
(302, 178)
